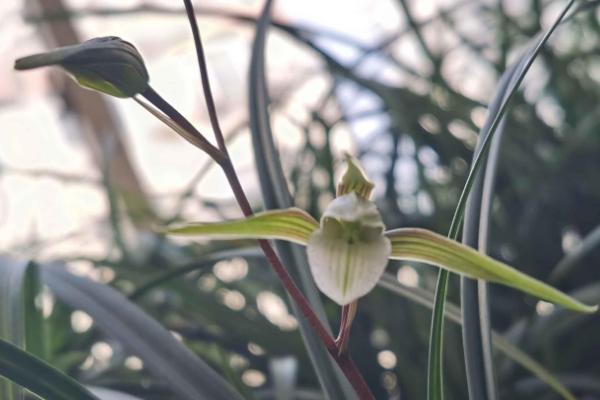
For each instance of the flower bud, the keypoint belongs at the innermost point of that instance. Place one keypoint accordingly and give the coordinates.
(106, 64)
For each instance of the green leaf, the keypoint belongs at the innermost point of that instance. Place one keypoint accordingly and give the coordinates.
(435, 367)
(109, 394)
(20, 321)
(452, 313)
(189, 377)
(425, 246)
(293, 224)
(276, 195)
(39, 377)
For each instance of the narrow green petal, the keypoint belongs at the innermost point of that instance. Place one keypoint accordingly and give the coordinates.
(355, 180)
(292, 224)
(425, 246)
(345, 271)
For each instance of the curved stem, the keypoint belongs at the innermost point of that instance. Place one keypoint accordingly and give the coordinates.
(210, 103)
(188, 131)
(221, 156)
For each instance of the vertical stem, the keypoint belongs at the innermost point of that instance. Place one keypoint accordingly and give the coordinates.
(343, 360)
(348, 314)
(210, 103)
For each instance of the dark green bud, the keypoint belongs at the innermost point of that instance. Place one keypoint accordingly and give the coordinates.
(106, 64)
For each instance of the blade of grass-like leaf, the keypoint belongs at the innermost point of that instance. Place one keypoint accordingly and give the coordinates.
(435, 366)
(560, 321)
(276, 195)
(19, 318)
(479, 367)
(293, 224)
(38, 377)
(164, 356)
(452, 313)
(572, 259)
(109, 394)
(421, 245)
(205, 262)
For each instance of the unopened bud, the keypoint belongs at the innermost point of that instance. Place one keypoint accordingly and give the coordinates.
(107, 64)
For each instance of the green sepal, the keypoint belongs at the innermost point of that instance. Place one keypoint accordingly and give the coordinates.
(292, 224)
(425, 246)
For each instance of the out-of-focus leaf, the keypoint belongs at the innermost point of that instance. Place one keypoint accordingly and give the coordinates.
(573, 257)
(435, 390)
(293, 224)
(425, 246)
(284, 372)
(205, 262)
(108, 394)
(39, 377)
(276, 195)
(452, 312)
(20, 321)
(164, 356)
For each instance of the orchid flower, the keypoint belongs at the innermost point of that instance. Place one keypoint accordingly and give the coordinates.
(349, 249)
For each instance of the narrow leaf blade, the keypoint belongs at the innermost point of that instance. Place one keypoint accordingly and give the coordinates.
(19, 323)
(39, 377)
(452, 313)
(165, 357)
(276, 195)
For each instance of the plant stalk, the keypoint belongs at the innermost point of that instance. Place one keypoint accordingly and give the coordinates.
(221, 156)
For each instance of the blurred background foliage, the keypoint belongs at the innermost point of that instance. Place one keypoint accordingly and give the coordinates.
(410, 104)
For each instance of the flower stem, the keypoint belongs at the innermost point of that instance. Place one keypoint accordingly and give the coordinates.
(348, 314)
(221, 156)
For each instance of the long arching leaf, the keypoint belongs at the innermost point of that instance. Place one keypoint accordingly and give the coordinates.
(39, 377)
(276, 195)
(164, 356)
(452, 313)
(435, 390)
(20, 321)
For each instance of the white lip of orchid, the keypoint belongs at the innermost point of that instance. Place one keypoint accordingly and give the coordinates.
(349, 253)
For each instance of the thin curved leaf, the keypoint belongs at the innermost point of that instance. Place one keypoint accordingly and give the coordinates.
(425, 246)
(109, 394)
(276, 195)
(435, 390)
(20, 321)
(164, 356)
(205, 262)
(452, 313)
(573, 258)
(293, 224)
(476, 330)
(39, 377)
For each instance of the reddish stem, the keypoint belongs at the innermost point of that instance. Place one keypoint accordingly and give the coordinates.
(348, 314)
(344, 361)
(341, 358)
